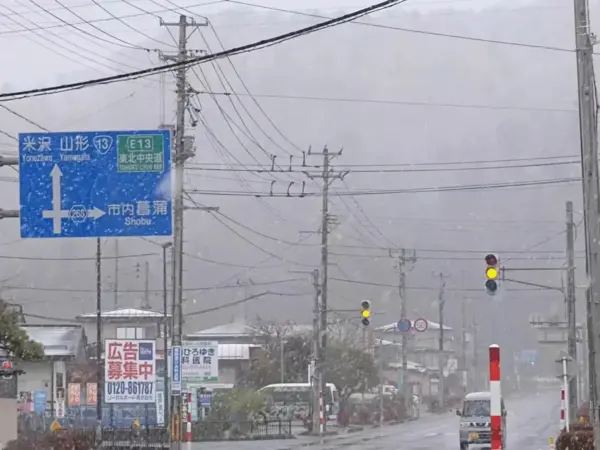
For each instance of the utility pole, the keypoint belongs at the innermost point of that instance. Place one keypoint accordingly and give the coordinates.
(99, 365)
(116, 288)
(584, 41)
(146, 304)
(179, 156)
(441, 358)
(166, 327)
(328, 177)
(475, 356)
(464, 343)
(571, 309)
(316, 377)
(403, 259)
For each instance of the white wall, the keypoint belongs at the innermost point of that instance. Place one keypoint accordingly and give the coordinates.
(8, 419)
(37, 377)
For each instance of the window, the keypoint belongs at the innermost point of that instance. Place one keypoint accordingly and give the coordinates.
(130, 333)
(476, 408)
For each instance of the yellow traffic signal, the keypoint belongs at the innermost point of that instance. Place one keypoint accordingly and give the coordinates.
(366, 312)
(492, 273)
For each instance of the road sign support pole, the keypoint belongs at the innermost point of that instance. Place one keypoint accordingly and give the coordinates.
(9, 160)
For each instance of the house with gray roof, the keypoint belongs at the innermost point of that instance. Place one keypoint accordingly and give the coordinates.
(63, 345)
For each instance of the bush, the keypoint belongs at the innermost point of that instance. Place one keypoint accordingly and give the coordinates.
(63, 440)
(579, 437)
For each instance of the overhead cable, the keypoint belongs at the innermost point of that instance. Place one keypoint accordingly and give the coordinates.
(200, 59)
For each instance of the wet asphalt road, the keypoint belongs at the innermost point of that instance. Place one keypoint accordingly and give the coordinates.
(531, 421)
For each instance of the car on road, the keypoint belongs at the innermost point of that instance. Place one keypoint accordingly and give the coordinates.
(475, 421)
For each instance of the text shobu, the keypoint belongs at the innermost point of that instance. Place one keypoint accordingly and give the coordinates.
(130, 371)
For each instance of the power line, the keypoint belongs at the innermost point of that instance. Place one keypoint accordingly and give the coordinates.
(452, 258)
(398, 168)
(120, 42)
(429, 288)
(244, 300)
(418, 164)
(85, 56)
(87, 22)
(433, 189)
(405, 102)
(107, 11)
(194, 289)
(49, 258)
(191, 61)
(410, 30)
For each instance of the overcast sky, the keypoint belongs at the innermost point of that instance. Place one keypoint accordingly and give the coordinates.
(385, 95)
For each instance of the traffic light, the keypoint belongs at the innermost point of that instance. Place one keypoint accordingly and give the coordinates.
(6, 369)
(366, 312)
(492, 272)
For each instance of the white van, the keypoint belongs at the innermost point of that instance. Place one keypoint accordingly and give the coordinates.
(299, 394)
(475, 421)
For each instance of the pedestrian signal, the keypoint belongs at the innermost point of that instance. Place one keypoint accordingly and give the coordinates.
(492, 273)
(366, 312)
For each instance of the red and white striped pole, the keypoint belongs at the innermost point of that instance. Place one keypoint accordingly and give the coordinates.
(495, 398)
(321, 414)
(188, 425)
(563, 422)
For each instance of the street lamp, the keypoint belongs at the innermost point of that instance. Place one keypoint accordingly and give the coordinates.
(165, 246)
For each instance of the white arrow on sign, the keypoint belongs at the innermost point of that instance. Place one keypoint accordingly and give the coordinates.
(95, 213)
(57, 213)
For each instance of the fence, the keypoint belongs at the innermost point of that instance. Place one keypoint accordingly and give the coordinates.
(85, 439)
(152, 436)
(216, 431)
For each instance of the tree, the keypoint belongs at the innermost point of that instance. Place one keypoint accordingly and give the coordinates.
(14, 339)
(265, 367)
(350, 368)
(347, 366)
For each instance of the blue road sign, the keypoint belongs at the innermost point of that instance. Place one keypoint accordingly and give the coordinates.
(95, 184)
(176, 370)
(404, 325)
(528, 356)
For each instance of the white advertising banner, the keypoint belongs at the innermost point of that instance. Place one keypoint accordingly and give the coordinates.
(160, 407)
(130, 371)
(200, 361)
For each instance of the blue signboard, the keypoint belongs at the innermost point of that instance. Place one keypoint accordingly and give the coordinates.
(528, 356)
(176, 370)
(39, 401)
(404, 325)
(95, 184)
